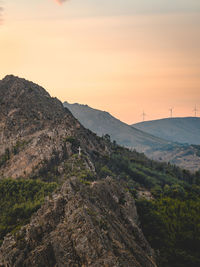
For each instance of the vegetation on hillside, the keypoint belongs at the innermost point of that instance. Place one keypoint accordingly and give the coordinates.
(171, 219)
(19, 199)
(136, 168)
(172, 226)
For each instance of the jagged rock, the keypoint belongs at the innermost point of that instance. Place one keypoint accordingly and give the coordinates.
(33, 127)
(81, 225)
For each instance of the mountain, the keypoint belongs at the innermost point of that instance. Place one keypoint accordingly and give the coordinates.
(182, 130)
(102, 123)
(35, 130)
(71, 198)
(81, 226)
(85, 222)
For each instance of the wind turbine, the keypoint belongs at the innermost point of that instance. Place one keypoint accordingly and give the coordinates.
(171, 112)
(195, 111)
(143, 115)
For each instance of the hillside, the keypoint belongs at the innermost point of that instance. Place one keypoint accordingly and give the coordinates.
(102, 123)
(182, 130)
(40, 140)
(71, 198)
(82, 226)
(36, 131)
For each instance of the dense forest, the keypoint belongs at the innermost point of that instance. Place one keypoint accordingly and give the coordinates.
(172, 226)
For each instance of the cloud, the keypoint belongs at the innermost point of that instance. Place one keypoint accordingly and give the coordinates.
(60, 2)
(1, 12)
(1, 16)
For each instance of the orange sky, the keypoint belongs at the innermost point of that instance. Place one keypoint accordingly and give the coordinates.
(123, 63)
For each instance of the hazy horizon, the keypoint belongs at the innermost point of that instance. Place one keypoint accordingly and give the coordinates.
(162, 118)
(120, 56)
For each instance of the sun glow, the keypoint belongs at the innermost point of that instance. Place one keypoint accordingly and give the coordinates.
(122, 63)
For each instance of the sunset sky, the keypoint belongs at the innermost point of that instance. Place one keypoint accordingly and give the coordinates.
(122, 56)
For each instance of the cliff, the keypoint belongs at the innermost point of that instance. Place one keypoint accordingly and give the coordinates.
(81, 225)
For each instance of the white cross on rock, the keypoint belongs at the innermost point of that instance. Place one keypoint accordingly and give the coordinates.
(79, 151)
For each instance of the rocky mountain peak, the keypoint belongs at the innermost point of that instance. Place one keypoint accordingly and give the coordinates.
(17, 83)
(27, 98)
(34, 128)
(84, 223)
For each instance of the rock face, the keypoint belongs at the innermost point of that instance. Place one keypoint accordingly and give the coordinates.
(81, 225)
(35, 128)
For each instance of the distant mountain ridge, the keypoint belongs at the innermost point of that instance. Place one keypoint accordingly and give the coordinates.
(101, 123)
(182, 130)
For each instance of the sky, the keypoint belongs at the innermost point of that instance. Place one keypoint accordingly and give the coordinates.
(121, 56)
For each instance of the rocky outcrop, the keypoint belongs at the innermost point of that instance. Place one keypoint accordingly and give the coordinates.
(81, 225)
(84, 223)
(35, 129)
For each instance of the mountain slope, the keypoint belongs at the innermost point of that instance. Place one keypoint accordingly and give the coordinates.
(182, 130)
(102, 122)
(35, 130)
(91, 218)
(40, 139)
(81, 226)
